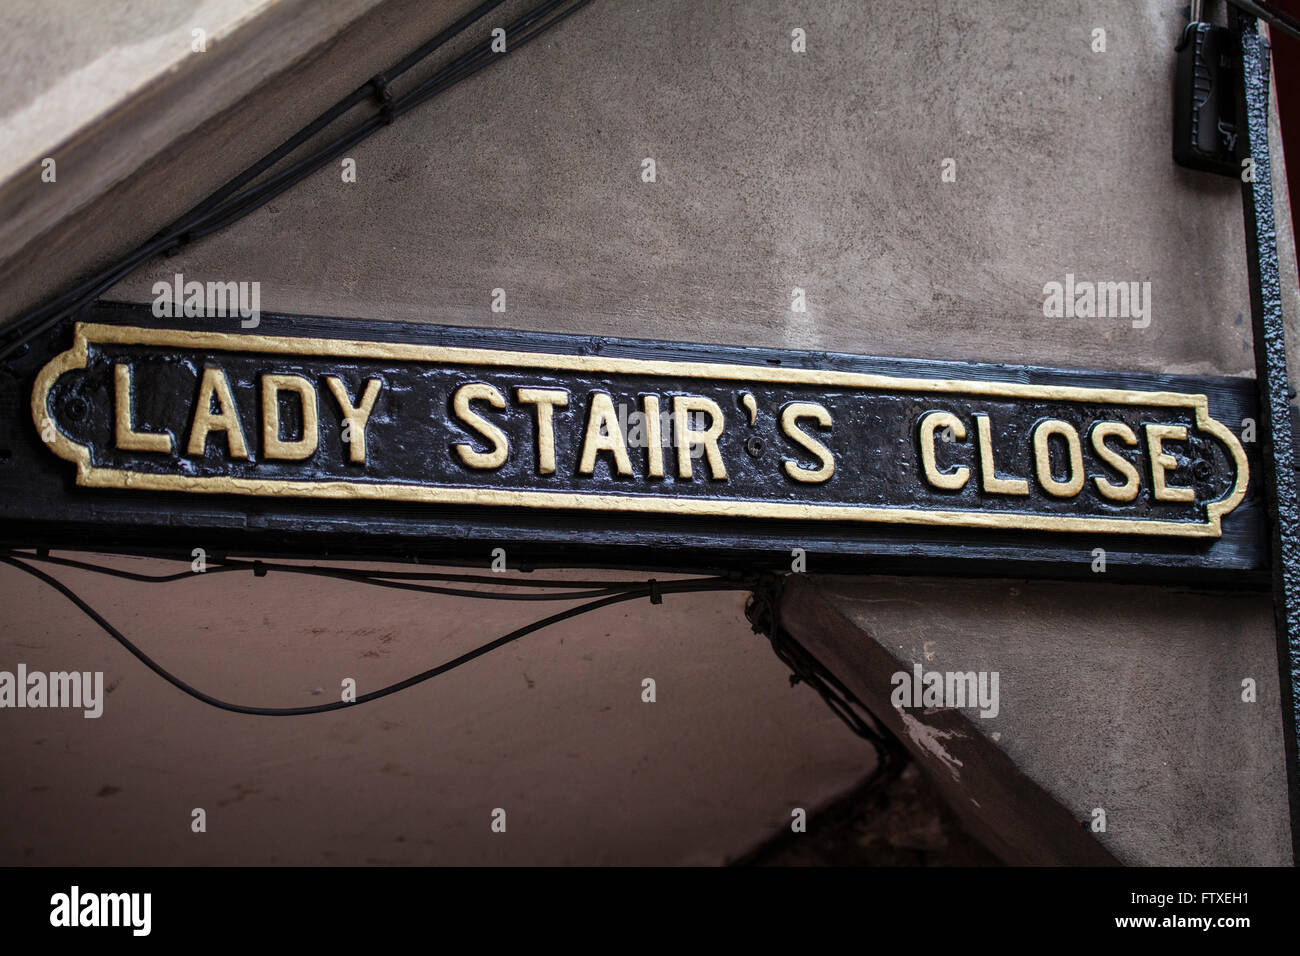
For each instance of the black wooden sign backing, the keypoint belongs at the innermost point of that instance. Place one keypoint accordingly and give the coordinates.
(306, 436)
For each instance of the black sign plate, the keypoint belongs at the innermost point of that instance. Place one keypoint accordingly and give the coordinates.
(308, 435)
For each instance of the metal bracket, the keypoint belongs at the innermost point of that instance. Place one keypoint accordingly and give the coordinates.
(1276, 433)
(764, 612)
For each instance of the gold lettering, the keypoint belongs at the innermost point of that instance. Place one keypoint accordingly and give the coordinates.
(484, 460)
(1162, 461)
(545, 401)
(790, 416)
(988, 473)
(128, 439)
(214, 385)
(357, 416)
(1129, 490)
(654, 440)
(951, 480)
(1043, 458)
(273, 446)
(603, 434)
(686, 438)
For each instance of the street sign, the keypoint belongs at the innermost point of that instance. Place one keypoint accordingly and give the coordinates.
(439, 441)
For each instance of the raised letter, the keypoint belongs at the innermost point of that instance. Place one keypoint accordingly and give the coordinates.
(273, 446)
(546, 401)
(214, 385)
(684, 437)
(603, 434)
(790, 416)
(1043, 458)
(356, 415)
(951, 480)
(988, 473)
(1129, 490)
(128, 439)
(485, 460)
(654, 441)
(1162, 461)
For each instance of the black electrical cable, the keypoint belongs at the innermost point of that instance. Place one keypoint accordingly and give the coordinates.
(761, 609)
(479, 57)
(209, 216)
(1278, 19)
(357, 97)
(227, 204)
(649, 590)
(383, 582)
(115, 572)
(174, 235)
(376, 576)
(359, 575)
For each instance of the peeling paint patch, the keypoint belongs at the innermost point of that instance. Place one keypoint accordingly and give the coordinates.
(929, 740)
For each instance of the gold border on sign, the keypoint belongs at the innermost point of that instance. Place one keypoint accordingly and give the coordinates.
(88, 475)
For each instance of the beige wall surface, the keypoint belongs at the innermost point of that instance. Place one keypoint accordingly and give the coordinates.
(818, 170)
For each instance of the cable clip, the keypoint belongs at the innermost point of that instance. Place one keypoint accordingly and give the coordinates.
(385, 97)
(656, 596)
